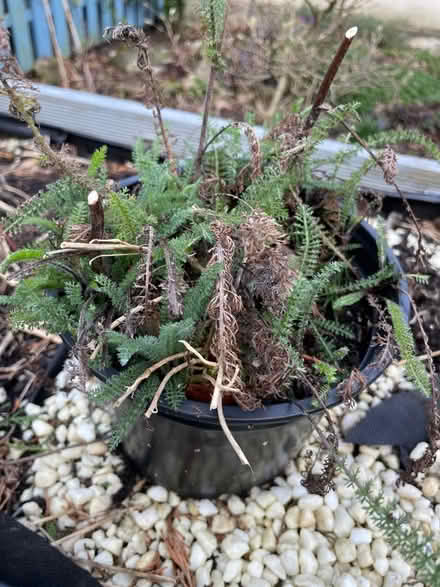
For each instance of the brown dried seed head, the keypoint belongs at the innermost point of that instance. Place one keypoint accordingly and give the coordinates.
(388, 162)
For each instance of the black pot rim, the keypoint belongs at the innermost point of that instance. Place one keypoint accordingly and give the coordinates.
(373, 364)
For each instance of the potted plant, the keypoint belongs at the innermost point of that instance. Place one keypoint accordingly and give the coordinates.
(229, 303)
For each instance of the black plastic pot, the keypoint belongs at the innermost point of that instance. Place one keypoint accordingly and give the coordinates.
(185, 450)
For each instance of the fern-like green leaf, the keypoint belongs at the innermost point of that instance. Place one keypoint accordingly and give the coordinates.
(414, 368)
(97, 161)
(348, 300)
(22, 255)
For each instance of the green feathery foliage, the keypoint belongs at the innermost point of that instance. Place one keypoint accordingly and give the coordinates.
(308, 240)
(97, 161)
(414, 368)
(22, 255)
(397, 528)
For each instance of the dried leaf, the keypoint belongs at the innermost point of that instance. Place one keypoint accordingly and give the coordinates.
(178, 552)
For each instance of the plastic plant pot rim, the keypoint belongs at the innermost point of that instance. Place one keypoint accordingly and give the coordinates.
(196, 413)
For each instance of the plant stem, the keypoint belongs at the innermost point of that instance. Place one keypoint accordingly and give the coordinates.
(204, 129)
(56, 47)
(145, 375)
(328, 78)
(96, 215)
(379, 163)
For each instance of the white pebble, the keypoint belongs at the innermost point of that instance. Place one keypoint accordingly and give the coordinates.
(234, 548)
(207, 508)
(207, 541)
(85, 431)
(147, 518)
(364, 556)
(307, 562)
(41, 428)
(410, 492)
(3, 395)
(379, 548)
(255, 568)
(430, 487)
(236, 505)
(45, 478)
(203, 576)
(232, 570)
(122, 580)
(310, 502)
(289, 560)
(325, 520)
(306, 519)
(99, 504)
(361, 536)
(113, 545)
(381, 566)
(275, 511)
(61, 433)
(418, 452)
(158, 493)
(345, 550)
(305, 580)
(81, 495)
(282, 494)
(269, 541)
(32, 509)
(265, 499)
(343, 522)
(392, 580)
(104, 558)
(345, 580)
(273, 563)
(325, 556)
(32, 409)
(222, 524)
(197, 557)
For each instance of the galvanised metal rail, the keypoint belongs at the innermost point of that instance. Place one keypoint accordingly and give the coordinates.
(120, 122)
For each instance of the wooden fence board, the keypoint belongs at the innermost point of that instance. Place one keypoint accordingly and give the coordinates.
(61, 27)
(122, 122)
(93, 31)
(19, 19)
(40, 29)
(90, 17)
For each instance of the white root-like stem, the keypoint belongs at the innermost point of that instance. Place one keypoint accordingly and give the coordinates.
(145, 375)
(234, 444)
(152, 408)
(217, 388)
(222, 387)
(195, 352)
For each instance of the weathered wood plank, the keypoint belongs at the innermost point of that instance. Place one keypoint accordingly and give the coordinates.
(122, 122)
(19, 18)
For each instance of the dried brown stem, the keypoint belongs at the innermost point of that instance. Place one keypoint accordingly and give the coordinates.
(380, 163)
(144, 64)
(328, 78)
(77, 46)
(96, 212)
(205, 117)
(56, 47)
(175, 307)
(153, 577)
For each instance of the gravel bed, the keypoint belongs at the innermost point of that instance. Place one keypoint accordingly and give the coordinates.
(278, 535)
